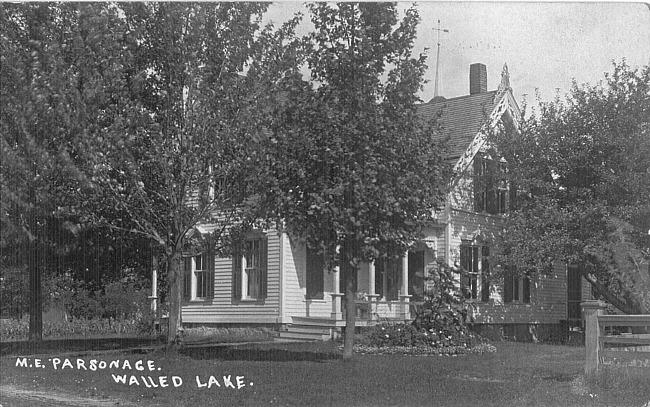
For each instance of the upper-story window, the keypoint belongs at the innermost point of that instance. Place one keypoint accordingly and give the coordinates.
(492, 191)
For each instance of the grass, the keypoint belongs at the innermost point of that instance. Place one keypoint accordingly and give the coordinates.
(312, 374)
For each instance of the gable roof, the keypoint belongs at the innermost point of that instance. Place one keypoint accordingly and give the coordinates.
(460, 118)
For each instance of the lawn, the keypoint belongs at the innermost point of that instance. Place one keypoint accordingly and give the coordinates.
(312, 374)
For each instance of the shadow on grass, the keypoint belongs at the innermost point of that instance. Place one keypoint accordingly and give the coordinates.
(81, 345)
(262, 353)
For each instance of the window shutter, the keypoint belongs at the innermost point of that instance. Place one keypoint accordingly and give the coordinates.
(379, 277)
(236, 275)
(263, 274)
(507, 286)
(526, 282)
(186, 264)
(210, 276)
(513, 197)
(314, 275)
(485, 275)
(479, 184)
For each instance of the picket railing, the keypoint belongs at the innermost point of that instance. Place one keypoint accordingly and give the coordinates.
(631, 349)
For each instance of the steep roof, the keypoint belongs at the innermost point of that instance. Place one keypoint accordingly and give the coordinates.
(460, 118)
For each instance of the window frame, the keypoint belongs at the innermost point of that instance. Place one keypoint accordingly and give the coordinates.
(192, 289)
(388, 271)
(493, 192)
(241, 272)
(516, 288)
(474, 279)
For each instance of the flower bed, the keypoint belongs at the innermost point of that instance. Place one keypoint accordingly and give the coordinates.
(424, 350)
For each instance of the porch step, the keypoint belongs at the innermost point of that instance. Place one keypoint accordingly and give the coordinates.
(305, 336)
(318, 322)
(310, 329)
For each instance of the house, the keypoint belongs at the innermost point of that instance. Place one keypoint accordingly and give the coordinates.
(278, 282)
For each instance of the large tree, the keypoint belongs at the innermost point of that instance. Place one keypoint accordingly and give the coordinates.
(356, 173)
(55, 74)
(140, 116)
(582, 166)
(187, 149)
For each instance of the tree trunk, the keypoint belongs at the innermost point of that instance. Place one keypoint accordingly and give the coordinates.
(349, 274)
(35, 293)
(175, 332)
(34, 269)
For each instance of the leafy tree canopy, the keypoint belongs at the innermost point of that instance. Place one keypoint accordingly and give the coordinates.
(356, 172)
(583, 170)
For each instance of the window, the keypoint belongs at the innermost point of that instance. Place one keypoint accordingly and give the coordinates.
(516, 288)
(492, 191)
(198, 277)
(387, 278)
(474, 281)
(314, 277)
(249, 270)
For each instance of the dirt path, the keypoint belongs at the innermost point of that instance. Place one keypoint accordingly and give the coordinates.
(11, 396)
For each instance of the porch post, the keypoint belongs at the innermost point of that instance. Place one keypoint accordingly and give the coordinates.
(372, 296)
(336, 294)
(404, 294)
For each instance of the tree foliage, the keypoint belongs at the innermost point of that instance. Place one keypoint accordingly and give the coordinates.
(137, 117)
(355, 171)
(583, 170)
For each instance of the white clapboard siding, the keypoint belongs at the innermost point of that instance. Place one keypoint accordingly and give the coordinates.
(222, 308)
(295, 281)
(548, 294)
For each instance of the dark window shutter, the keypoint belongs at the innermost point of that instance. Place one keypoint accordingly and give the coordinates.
(314, 275)
(210, 277)
(236, 276)
(393, 279)
(512, 205)
(263, 274)
(380, 269)
(186, 264)
(465, 269)
(491, 201)
(479, 184)
(485, 275)
(507, 286)
(526, 282)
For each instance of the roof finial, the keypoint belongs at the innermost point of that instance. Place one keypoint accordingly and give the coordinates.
(505, 78)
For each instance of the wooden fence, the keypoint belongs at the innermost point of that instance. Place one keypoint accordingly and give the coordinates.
(607, 343)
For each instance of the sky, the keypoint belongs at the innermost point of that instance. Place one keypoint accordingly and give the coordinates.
(545, 45)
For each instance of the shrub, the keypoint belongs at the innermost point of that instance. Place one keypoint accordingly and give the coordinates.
(444, 310)
(11, 329)
(13, 286)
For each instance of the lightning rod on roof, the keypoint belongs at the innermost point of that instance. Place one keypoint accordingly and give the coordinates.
(437, 84)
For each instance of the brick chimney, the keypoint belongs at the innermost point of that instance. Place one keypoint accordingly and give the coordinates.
(477, 79)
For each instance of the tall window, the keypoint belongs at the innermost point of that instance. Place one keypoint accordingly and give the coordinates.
(387, 278)
(250, 270)
(516, 288)
(198, 277)
(492, 191)
(474, 281)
